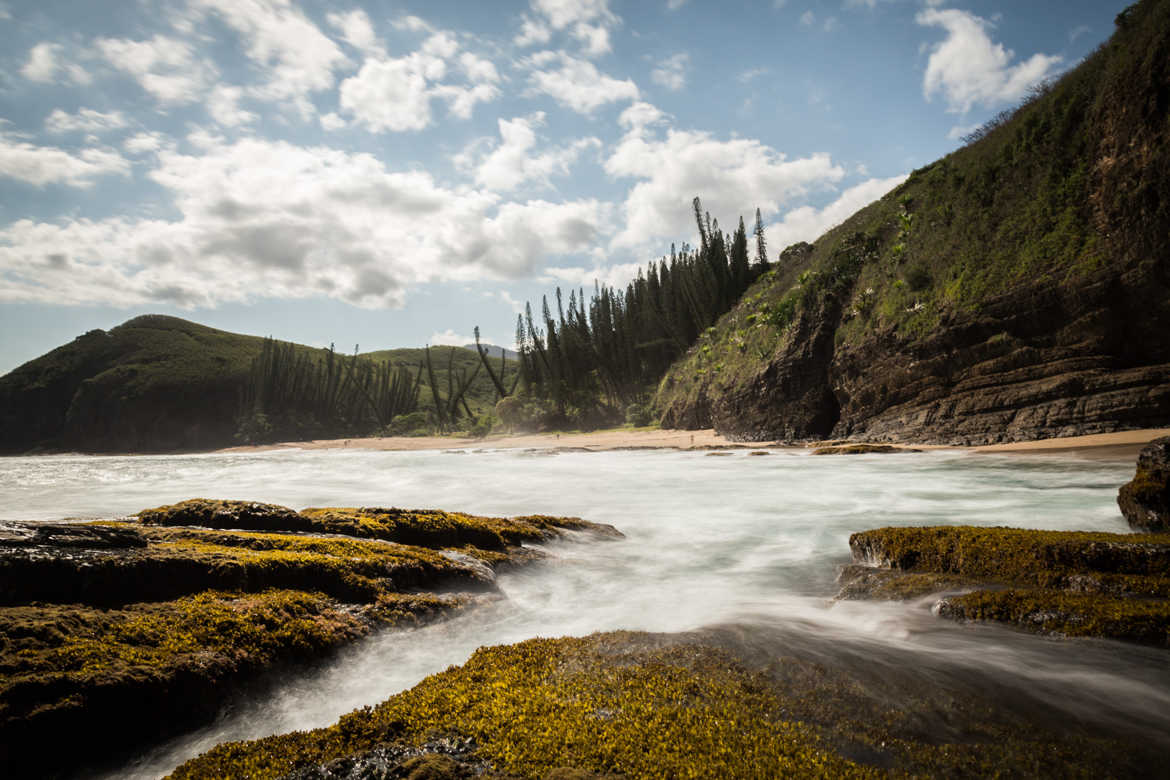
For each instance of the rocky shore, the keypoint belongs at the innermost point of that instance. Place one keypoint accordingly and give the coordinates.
(742, 701)
(176, 608)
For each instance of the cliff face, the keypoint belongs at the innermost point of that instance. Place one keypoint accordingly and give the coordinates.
(1018, 288)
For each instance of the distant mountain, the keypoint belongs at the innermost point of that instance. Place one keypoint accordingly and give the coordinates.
(495, 351)
(1018, 288)
(158, 383)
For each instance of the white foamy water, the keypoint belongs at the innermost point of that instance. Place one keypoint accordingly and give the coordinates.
(710, 540)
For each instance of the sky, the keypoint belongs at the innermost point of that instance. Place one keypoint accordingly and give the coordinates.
(386, 174)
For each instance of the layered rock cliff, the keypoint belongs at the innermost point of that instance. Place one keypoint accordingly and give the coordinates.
(1017, 289)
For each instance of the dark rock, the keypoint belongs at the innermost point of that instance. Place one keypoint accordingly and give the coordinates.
(249, 515)
(1145, 500)
(93, 537)
(861, 449)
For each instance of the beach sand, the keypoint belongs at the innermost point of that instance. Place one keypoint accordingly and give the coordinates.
(1112, 446)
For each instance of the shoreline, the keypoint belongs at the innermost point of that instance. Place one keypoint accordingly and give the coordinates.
(1120, 445)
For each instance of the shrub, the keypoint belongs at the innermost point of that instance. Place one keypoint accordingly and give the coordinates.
(413, 424)
(638, 415)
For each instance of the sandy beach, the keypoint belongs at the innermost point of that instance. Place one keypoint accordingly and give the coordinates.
(1124, 444)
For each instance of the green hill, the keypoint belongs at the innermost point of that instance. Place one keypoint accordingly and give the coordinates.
(159, 383)
(1017, 288)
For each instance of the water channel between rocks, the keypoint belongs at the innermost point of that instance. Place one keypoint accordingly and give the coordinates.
(732, 541)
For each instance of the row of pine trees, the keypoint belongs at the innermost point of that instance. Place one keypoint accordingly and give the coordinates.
(611, 350)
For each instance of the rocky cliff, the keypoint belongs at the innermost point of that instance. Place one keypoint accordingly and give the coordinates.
(1017, 289)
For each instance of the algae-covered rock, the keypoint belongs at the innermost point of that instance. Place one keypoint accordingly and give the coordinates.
(424, 527)
(174, 612)
(1059, 582)
(735, 702)
(861, 449)
(247, 515)
(1145, 500)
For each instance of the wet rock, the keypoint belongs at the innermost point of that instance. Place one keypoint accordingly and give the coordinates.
(88, 536)
(1145, 500)
(250, 515)
(1066, 583)
(173, 618)
(861, 449)
(737, 701)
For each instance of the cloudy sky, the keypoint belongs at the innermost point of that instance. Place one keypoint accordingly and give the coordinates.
(394, 173)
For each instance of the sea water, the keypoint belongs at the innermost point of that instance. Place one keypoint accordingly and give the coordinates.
(737, 540)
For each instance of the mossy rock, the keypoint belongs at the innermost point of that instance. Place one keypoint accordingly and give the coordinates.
(1145, 500)
(175, 617)
(246, 515)
(1067, 614)
(722, 703)
(421, 527)
(861, 449)
(1011, 554)
(1067, 583)
(174, 562)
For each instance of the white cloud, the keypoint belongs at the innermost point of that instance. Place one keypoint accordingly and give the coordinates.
(450, 338)
(477, 69)
(357, 30)
(295, 57)
(144, 143)
(671, 73)
(808, 18)
(969, 69)
(831, 24)
(42, 63)
(588, 21)
(1078, 31)
(461, 100)
(86, 120)
(389, 95)
(41, 165)
(331, 121)
(674, 5)
(532, 33)
(270, 219)
(45, 62)
(394, 94)
(165, 67)
(513, 162)
(733, 177)
(750, 75)
(807, 223)
(576, 83)
(616, 275)
(224, 106)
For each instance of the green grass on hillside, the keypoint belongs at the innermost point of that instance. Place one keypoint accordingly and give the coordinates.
(1070, 189)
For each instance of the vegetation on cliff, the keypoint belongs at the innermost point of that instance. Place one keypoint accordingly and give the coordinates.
(1017, 288)
(175, 617)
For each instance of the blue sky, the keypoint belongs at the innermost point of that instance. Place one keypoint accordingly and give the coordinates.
(395, 173)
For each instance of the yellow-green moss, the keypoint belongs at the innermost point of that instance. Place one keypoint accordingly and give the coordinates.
(424, 527)
(1071, 583)
(652, 706)
(1068, 614)
(544, 704)
(1012, 554)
